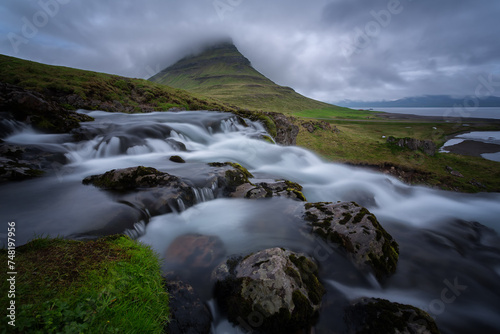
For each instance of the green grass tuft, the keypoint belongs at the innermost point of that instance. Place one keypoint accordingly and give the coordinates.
(112, 285)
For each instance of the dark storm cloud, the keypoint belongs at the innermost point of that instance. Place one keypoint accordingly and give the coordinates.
(327, 49)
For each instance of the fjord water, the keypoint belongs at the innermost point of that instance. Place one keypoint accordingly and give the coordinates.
(445, 113)
(448, 266)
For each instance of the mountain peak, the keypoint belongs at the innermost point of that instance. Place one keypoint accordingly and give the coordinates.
(220, 71)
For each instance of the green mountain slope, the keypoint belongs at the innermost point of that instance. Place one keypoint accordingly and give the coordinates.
(223, 73)
(75, 88)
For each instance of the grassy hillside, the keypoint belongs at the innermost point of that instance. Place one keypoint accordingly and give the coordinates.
(74, 88)
(222, 72)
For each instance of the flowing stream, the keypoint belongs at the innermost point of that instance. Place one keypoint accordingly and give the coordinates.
(448, 265)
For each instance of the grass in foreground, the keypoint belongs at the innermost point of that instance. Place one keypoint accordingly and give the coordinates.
(362, 143)
(111, 285)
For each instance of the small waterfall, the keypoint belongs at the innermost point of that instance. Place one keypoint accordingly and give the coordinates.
(229, 125)
(138, 231)
(203, 194)
(10, 126)
(181, 205)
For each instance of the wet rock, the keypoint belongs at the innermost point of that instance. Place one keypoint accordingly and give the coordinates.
(156, 191)
(177, 145)
(285, 188)
(195, 251)
(272, 291)
(132, 178)
(19, 163)
(426, 146)
(371, 315)
(286, 131)
(11, 170)
(229, 176)
(233, 180)
(356, 231)
(188, 314)
(177, 159)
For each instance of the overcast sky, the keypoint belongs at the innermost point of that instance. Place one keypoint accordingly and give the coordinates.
(325, 49)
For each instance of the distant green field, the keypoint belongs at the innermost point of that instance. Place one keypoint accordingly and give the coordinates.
(336, 113)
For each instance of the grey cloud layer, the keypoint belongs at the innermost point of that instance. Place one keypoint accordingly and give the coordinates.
(325, 49)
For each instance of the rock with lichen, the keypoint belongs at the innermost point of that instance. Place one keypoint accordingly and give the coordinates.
(373, 316)
(156, 191)
(233, 180)
(355, 230)
(272, 291)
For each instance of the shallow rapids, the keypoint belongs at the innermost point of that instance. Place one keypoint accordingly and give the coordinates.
(438, 249)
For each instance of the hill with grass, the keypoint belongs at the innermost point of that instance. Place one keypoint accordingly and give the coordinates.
(223, 73)
(47, 94)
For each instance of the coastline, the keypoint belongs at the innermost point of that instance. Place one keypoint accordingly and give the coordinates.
(411, 118)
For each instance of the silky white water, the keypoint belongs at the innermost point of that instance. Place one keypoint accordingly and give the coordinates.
(435, 247)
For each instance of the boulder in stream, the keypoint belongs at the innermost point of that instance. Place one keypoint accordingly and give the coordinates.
(189, 315)
(233, 180)
(356, 231)
(156, 191)
(271, 291)
(195, 251)
(374, 316)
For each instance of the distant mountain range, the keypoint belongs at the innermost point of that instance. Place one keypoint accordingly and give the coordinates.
(223, 73)
(426, 101)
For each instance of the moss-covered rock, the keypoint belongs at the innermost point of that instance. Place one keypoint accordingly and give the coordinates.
(380, 316)
(285, 188)
(131, 178)
(358, 232)
(156, 191)
(278, 287)
(177, 159)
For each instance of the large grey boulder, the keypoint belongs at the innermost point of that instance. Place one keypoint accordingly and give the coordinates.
(357, 232)
(272, 291)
